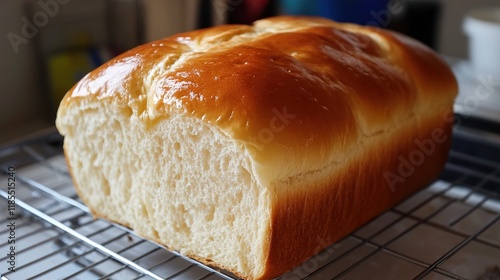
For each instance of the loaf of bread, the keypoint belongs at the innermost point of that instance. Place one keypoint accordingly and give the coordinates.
(253, 147)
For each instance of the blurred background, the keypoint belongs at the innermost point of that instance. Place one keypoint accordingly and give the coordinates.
(48, 45)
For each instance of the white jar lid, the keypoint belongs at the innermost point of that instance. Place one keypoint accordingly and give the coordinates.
(484, 21)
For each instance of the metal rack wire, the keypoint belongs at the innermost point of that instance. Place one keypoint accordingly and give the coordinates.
(449, 230)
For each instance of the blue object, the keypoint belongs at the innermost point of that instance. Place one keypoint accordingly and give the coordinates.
(300, 7)
(364, 12)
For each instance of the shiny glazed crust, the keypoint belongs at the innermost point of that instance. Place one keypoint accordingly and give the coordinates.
(325, 111)
(336, 83)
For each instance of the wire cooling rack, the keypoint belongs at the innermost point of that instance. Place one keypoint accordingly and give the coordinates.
(449, 230)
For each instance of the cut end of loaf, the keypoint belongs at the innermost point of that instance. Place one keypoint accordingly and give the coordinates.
(181, 183)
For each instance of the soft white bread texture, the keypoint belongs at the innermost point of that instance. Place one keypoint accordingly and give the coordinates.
(252, 147)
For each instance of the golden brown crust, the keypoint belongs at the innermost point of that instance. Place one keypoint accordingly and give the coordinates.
(310, 70)
(356, 193)
(304, 95)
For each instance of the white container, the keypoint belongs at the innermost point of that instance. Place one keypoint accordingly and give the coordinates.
(482, 26)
